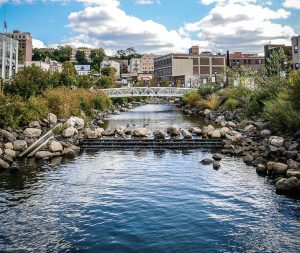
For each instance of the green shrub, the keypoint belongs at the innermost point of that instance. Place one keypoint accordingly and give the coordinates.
(192, 98)
(213, 101)
(282, 116)
(231, 104)
(207, 89)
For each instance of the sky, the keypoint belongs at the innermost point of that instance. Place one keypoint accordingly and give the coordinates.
(156, 26)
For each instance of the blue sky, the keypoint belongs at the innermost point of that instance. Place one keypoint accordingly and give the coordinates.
(157, 26)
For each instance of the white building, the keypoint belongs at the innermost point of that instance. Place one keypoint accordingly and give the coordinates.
(43, 65)
(87, 52)
(83, 70)
(135, 66)
(114, 64)
(8, 56)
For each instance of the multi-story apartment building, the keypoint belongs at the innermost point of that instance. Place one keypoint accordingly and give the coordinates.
(25, 44)
(275, 48)
(8, 56)
(296, 51)
(87, 52)
(147, 63)
(135, 66)
(190, 69)
(252, 61)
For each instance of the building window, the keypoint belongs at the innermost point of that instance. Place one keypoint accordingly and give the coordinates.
(296, 49)
(249, 61)
(245, 62)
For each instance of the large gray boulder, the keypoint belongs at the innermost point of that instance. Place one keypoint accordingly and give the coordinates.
(196, 131)
(32, 132)
(3, 164)
(8, 145)
(55, 146)
(76, 122)
(43, 155)
(276, 141)
(34, 124)
(20, 145)
(7, 135)
(207, 161)
(173, 130)
(224, 131)
(52, 118)
(140, 132)
(186, 134)
(159, 134)
(93, 134)
(265, 133)
(215, 134)
(293, 173)
(207, 130)
(69, 132)
(206, 112)
(69, 153)
(277, 168)
(1, 151)
(10, 152)
(293, 165)
(288, 185)
(250, 128)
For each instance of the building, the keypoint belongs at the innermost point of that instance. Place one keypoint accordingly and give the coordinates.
(147, 63)
(110, 63)
(87, 52)
(269, 49)
(190, 69)
(135, 66)
(124, 65)
(252, 61)
(83, 70)
(25, 44)
(8, 56)
(45, 66)
(296, 52)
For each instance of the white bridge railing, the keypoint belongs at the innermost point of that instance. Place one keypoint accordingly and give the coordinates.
(147, 92)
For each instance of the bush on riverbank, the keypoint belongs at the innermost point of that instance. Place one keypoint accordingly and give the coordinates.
(16, 111)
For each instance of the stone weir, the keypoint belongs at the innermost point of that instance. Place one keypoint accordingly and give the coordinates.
(114, 144)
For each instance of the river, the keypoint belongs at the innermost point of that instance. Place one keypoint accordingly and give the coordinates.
(145, 201)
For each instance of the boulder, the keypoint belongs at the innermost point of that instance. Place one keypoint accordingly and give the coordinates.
(52, 118)
(231, 124)
(215, 134)
(20, 145)
(34, 124)
(121, 130)
(3, 164)
(293, 165)
(277, 168)
(288, 185)
(216, 165)
(207, 130)
(173, 130)
(265, 133)
(92, 134)
(250, 128)
(43, 155)
(224, 131)
(207, 161)
(261, 169)
(10, 152)
(8, 158)
(293, 173)
(69, 132)
(237, 138)
(109, 132)
(76, 122)
(196, 131)
(159, 134)
(55, 146)
(140, 132)
(1, 151)
(8, 145)
(187, 134)
(7, 135)
(217, 157)
(276, 141)
(69, 153)
(32, 132)
(100, 122)
(206, 112)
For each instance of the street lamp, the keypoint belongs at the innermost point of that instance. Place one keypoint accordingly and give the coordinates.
(216, 77)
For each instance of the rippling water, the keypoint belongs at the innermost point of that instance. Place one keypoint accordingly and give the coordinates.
(145, 201)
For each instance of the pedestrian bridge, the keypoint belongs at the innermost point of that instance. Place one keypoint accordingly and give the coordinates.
(146, 92)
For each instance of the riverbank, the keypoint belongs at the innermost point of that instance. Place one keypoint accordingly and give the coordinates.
(252, 139)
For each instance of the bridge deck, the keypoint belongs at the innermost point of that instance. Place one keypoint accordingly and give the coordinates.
(152, 144)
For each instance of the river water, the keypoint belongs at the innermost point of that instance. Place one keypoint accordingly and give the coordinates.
(145, 201)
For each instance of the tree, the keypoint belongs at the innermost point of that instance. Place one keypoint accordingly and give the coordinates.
(105, 82)
(62, 54)
(80, 57)
(110, 72)
(127, 54)
(97, 56)
(68, 68)
(276, 63)
(28, 82)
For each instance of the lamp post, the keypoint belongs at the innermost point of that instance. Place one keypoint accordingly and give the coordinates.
(216, 77)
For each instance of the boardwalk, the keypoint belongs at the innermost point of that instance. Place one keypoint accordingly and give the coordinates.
(147, 92)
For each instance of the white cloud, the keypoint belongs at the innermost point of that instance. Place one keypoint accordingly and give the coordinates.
(241, 27)
(295, 4)
(147, 2)
(38, 43)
